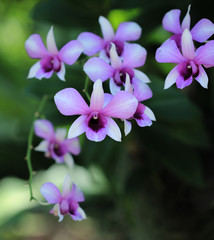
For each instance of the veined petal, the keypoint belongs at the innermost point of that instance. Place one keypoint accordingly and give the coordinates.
(70, 102)
(34, 69)
(186, 20)
(181, 83)
(92, 43)
(127, 127)
(202, 77)
(128, 31)
(171, 78)
(69, 161)
(112, 129)
(44, 129)
(73, 145)
(134, 55)
(202, 30)
(106, 28)
(113, 87)
(66, 186)
(123, 105)
(141, 76)
(168, 52)
(97, 68)
(205, 55)
(61, 73)
(51, 44)
(50, 192)
(115, 59)
(141, 90)
(95, 136)
(149, 113)
(35, 47)
(97, 96)
(71, 52)
(187, 45)
(171, 21)
(78, 127)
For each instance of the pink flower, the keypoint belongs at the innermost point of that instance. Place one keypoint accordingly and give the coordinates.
(127, 31)
(66, 203)
(52, 60)
(189, 65)
(96, 119)
(54, 144)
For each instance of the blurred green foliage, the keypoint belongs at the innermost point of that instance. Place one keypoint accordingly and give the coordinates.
(159, 182)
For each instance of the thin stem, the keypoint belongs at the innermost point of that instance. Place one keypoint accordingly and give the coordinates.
(29, 148)
(86, 87)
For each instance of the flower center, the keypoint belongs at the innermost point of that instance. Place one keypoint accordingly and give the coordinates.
(50, 63)
(58, 150)
(120, 76)
(119, 47)
(96, 121)
(189, 69)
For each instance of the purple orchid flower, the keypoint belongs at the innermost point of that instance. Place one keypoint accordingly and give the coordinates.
(203, 30)
(52, 60)
(127, 31)
(134, 56)
(54, 144)
(189, 64)
(65, 203)
(96, 119)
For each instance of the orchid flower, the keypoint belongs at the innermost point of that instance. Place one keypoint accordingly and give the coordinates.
(134, 56)
(65, 203)
(127, 31)
(54, 144)
(143, 114)
(96, 119)
(52, 60)
(189, 64)
(203, 30)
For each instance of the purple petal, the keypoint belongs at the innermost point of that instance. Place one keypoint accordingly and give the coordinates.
(97, 96)
(202, 77)
(112, 130)
(42, 74)
(123, 105)
(107, 98)
(128, 31)
(66, 186)
(113, 87)
(79, 215)
(182, 83)
(71, 52)
(171, 78)
(73, 145)
(51, 44)
(203, 30)
(205, 55)
(92, 43)
(134, 55)
(96, 136)
(78, 127)
(70, 102)
(44, 129)
(171, 21)
(115, 59)
(50, 192)
(186, 20)
(141, 76)
(187, 45)
(127, 127)
(34, 69)
(141, 90)
(61, 73)
(35, 47)
(106, 28)
(168, 52)
(76, 194)
(97, 68)
(149, 113)
(144, 122)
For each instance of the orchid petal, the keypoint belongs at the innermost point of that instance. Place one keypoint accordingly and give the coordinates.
(171, 21)
(186, 20)
(73, 145)
(106, 28)
(202, 30)
(51, 44)
(97, 96)
(187, 45)
(107, 98)
(171, 78)
(141, 76)
(66, 186)
(144, 122)
(42, 147)
(182, 83)
(141, 90)
(149, 113)
(113, 87)
(168, 52)
(123, 105)
(134, 55)
(128, 31)
(76, 194)
(92, 43)
(127, 127)
(71, 52)
(78, 127)
(96, 136)
(112, 129)
(35, 47)
(97, 68)
(34, 69)
(42, 74)
(44, 129)
(60, 134)
(115, 59)
(202, 77)
(205, 55)
(104, 56)
(70, 102)
(128, 85)
(61, 73)
(69, 161)
(79, 215)
(50, 192)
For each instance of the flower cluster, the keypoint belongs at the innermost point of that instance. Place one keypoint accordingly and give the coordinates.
(180, 49)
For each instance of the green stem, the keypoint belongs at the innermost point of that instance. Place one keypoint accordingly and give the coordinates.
(86, 87)
(29, 148)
